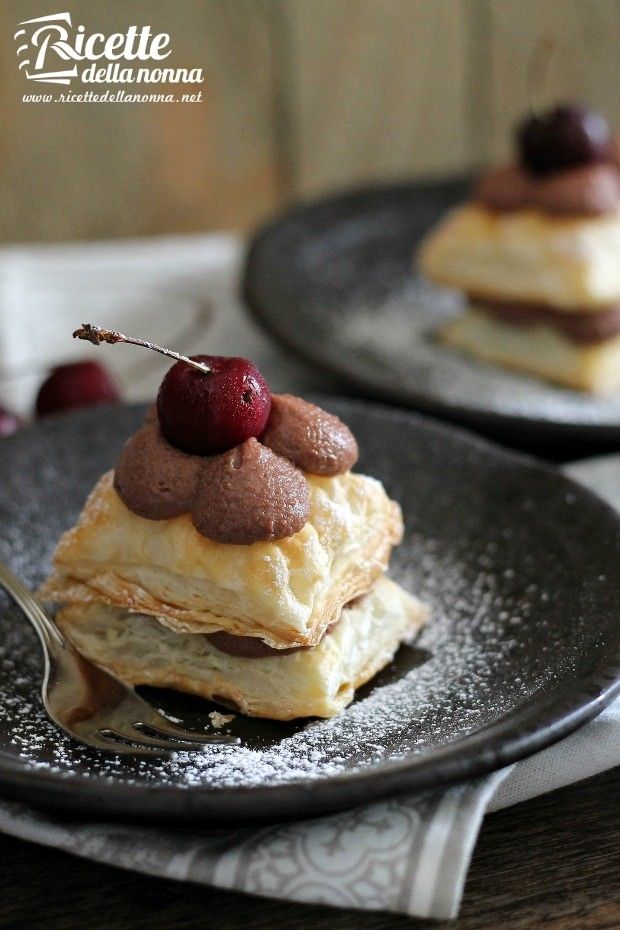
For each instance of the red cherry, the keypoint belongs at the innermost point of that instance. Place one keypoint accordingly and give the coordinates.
(563, 138)
(205, 414)
(9, 423)
(81, 384)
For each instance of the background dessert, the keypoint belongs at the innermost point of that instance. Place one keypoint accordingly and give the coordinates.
(536, 253)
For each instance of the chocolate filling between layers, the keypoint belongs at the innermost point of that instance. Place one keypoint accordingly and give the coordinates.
(582, 328)
(251, 647)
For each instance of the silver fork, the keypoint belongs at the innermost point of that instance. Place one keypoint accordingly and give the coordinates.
(92, 706)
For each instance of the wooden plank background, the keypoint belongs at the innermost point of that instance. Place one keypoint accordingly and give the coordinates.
(301, 97)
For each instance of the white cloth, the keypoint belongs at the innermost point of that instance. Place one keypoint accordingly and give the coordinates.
(409, 855)
(179, 291)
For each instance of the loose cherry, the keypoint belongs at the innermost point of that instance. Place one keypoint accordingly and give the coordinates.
(561, 138)
(209, 412)
(80, 384)
(9, 423)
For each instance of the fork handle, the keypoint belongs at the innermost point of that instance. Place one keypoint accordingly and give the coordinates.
(49, 634)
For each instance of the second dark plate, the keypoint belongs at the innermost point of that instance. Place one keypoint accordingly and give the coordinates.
(334, 281)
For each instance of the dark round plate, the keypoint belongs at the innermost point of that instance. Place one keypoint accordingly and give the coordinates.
(519, 565)
(334, 282)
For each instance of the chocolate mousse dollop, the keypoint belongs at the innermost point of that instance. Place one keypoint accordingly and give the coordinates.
(249, 494)
(154, 479)
(255, 492)
(590, 190)
(316, 441)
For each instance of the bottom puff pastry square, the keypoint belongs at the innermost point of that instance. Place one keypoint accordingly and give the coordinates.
(317, 681)
(539, 350)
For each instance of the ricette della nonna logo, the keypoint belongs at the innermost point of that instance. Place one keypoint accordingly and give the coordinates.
(53, 50)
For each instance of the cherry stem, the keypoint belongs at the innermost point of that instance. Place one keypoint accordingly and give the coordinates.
(97, 335)
(538, 71)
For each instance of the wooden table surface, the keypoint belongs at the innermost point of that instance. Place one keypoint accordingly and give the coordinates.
(552, 863)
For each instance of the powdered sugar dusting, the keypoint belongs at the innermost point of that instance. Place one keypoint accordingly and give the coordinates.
(410, 707)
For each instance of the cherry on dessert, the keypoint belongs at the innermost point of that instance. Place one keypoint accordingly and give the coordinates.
(206, 404)
(80, 384)
(9, 423)
(205, 413)
(562, 138)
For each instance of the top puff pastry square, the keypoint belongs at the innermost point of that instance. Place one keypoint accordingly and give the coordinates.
(565, 263)
(286, 592)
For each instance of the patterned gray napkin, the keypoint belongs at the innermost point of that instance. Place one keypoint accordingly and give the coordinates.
(408, 855)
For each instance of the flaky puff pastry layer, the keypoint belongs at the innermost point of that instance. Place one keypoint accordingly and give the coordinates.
(566, 264)
(538, 350)
(312, 682)
(286, 592)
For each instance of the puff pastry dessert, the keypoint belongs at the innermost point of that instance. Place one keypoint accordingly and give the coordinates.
(252, 576)
(537, 254)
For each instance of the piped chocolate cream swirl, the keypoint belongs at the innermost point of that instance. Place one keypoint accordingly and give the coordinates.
(249, 494)
(590, 190)
(255, 492)
(316, 441)
(154, 479)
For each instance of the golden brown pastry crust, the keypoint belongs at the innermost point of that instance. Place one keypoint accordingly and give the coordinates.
(525, 255)
(286, 592)
(313, 682)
